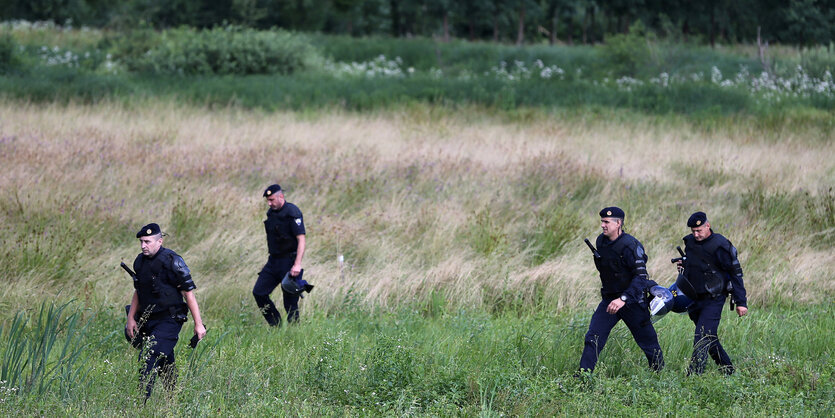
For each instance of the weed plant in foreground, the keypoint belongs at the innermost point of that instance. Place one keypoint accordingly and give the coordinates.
(460, 362)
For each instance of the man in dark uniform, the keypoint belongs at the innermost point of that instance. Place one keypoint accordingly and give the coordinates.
(710, 265)
(285, 241)
(622, 267)
(157, 310)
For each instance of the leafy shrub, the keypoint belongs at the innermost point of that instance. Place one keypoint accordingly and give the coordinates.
(628, 53)
(818, 61)
(9, 56)
(131, 46)
(223, 51)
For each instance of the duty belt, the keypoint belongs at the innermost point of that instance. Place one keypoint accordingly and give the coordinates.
(610, 295)
(288, 255)
(159, 315)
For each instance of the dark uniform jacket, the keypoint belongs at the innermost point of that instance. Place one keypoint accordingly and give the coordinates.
(159, 281)
(282, 227)
(710, 265)
(622, 266)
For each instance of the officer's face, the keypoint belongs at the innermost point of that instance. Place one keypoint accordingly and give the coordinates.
(701, 232)
(150, 245)
(610, 227)
(275, 200)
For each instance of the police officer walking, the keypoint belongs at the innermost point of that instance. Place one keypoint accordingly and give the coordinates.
(286, 242)
(711, 271)
(158, 309)
(621, 261)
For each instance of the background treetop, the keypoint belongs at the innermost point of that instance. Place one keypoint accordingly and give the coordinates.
(797, 22)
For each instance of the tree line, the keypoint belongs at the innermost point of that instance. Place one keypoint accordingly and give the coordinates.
(797, 22)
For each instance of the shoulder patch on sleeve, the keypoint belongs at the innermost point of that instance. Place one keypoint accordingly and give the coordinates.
(639, 251)
(179, 266)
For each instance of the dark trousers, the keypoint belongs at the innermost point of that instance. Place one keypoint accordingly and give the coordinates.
(636, 318)
(158, 338)
(268, 279)
(706, 314)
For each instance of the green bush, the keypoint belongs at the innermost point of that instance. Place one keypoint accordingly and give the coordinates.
(818, 61)
(628, 53)
(131, 46)
(9, 55)
(222, 51)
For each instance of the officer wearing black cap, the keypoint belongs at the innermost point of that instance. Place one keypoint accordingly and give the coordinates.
(158, 309)
(711, 271)
(285, 241)
(623, 273)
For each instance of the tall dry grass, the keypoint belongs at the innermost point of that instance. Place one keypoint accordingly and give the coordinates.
(420, 202)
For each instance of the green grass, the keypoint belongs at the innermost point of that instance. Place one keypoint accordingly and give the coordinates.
(699, 101)
(460, 363)
(457, 56)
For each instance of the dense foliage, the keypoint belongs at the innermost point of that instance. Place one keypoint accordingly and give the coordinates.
(801, 22)
(221, 51)
(275, 69)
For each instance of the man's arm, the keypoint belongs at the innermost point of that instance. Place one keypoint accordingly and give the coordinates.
(191, 301)
(131, 324)
(730, 262)
(297, 265)
(635, 259)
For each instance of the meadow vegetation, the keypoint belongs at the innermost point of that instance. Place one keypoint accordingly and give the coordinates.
(465, 287)
(222, 66)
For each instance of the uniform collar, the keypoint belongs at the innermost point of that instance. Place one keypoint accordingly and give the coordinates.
(704, 241)
(608, 241)
(279, 209)
(151, 257)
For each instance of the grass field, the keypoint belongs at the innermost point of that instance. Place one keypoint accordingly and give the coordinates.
(460, 363)
(466, 288)
(465, 206)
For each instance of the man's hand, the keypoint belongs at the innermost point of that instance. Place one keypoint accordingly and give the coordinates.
(615, 306)
(741, 311)
(131, 326)
(295, 270)
(200, 331)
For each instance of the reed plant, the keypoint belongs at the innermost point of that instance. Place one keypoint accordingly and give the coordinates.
(44, 351)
